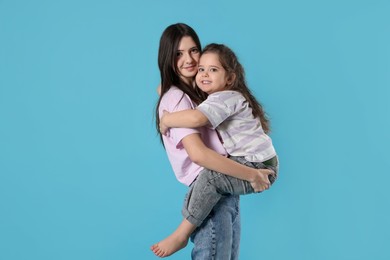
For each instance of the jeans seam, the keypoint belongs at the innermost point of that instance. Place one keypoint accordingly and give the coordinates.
(237, 210)
(213, 242)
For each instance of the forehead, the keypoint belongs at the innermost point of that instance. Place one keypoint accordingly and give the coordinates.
(186, 43)
(210, 59)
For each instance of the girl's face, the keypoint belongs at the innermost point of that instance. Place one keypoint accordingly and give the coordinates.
(211, 77)
(187, 58)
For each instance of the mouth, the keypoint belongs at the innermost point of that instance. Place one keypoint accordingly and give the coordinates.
(205, 82)
(190, 67)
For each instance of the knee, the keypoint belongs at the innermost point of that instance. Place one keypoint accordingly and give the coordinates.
(206, 176)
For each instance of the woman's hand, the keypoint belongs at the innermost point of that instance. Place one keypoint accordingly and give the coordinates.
(163, 128)
(261, 181)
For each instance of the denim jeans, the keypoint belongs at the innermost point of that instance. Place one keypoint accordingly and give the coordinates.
(210, 186)
(218, 238)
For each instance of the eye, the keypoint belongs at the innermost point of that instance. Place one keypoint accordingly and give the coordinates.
(200, 69)
(179, 54)
(213, 70)
(195, 50)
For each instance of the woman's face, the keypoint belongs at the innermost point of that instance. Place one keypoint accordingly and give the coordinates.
(187, 58)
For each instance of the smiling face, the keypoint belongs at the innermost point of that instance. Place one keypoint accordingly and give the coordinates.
(187, 58)
(212, 77)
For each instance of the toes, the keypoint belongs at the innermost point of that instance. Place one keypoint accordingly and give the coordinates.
(158, 251)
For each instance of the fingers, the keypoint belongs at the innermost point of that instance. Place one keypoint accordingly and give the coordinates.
(267, 171)
(163, 130)
(263, 186)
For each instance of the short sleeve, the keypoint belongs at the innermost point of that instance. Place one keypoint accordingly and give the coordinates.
(173, 101)
(215, 109)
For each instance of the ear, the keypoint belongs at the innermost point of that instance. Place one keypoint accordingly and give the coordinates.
(231, 78)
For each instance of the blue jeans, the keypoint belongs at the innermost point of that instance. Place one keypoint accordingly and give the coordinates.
(218, 238)
(211, 186)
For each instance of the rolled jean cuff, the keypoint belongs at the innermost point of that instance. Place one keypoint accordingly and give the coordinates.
(191, 219)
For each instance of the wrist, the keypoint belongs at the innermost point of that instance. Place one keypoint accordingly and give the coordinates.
(165, 120)
(252, 176)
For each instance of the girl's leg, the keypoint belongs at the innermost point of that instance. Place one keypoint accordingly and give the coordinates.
(174, 242)
(204, 194)
(220, 222)
(207, 190)
(210, 186)
(179, 238)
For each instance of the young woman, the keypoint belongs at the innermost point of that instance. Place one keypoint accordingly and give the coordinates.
(241, 122)
(191, 150)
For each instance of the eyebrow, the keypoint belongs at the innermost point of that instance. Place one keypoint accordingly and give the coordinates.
(212, 66)
(190, 48)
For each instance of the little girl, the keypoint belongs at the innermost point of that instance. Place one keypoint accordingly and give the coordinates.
(240, 120)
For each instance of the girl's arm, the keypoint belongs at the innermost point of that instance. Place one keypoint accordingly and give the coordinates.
(200, 154)
(190, 118)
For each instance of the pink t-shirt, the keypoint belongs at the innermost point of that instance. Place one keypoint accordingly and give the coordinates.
(185, 170)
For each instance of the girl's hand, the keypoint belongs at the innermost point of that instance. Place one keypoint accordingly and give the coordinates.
(163, 127)
(159, 90)
(261, 181)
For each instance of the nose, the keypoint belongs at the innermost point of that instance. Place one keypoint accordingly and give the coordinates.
(189, 59)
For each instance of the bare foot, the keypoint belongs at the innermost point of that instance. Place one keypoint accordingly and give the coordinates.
(169, 245)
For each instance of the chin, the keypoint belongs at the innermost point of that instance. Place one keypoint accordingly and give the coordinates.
(189, 75)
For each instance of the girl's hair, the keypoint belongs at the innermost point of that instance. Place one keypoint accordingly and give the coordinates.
(167, 57)
(230, 63)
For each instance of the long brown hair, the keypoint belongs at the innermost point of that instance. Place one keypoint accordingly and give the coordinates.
(230, 63)
(167, 55)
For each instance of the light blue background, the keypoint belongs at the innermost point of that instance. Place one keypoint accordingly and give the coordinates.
(82, 172)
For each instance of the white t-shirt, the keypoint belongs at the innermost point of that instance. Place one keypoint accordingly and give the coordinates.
(241, 133)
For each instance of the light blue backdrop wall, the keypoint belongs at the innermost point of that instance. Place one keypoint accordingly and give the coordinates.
(82, 173)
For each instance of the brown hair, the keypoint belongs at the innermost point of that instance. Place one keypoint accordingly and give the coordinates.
(167, 53)
(230, 63)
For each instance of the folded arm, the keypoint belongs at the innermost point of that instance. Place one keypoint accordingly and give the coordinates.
(190, 118)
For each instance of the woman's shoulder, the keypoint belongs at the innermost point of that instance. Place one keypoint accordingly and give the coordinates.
(174, 93)
(175, 97)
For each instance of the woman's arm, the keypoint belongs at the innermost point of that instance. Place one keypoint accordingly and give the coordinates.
(200, 154)
(190, 118)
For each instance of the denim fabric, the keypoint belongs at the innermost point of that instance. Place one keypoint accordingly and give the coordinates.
(210, 186)
(218, 238)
